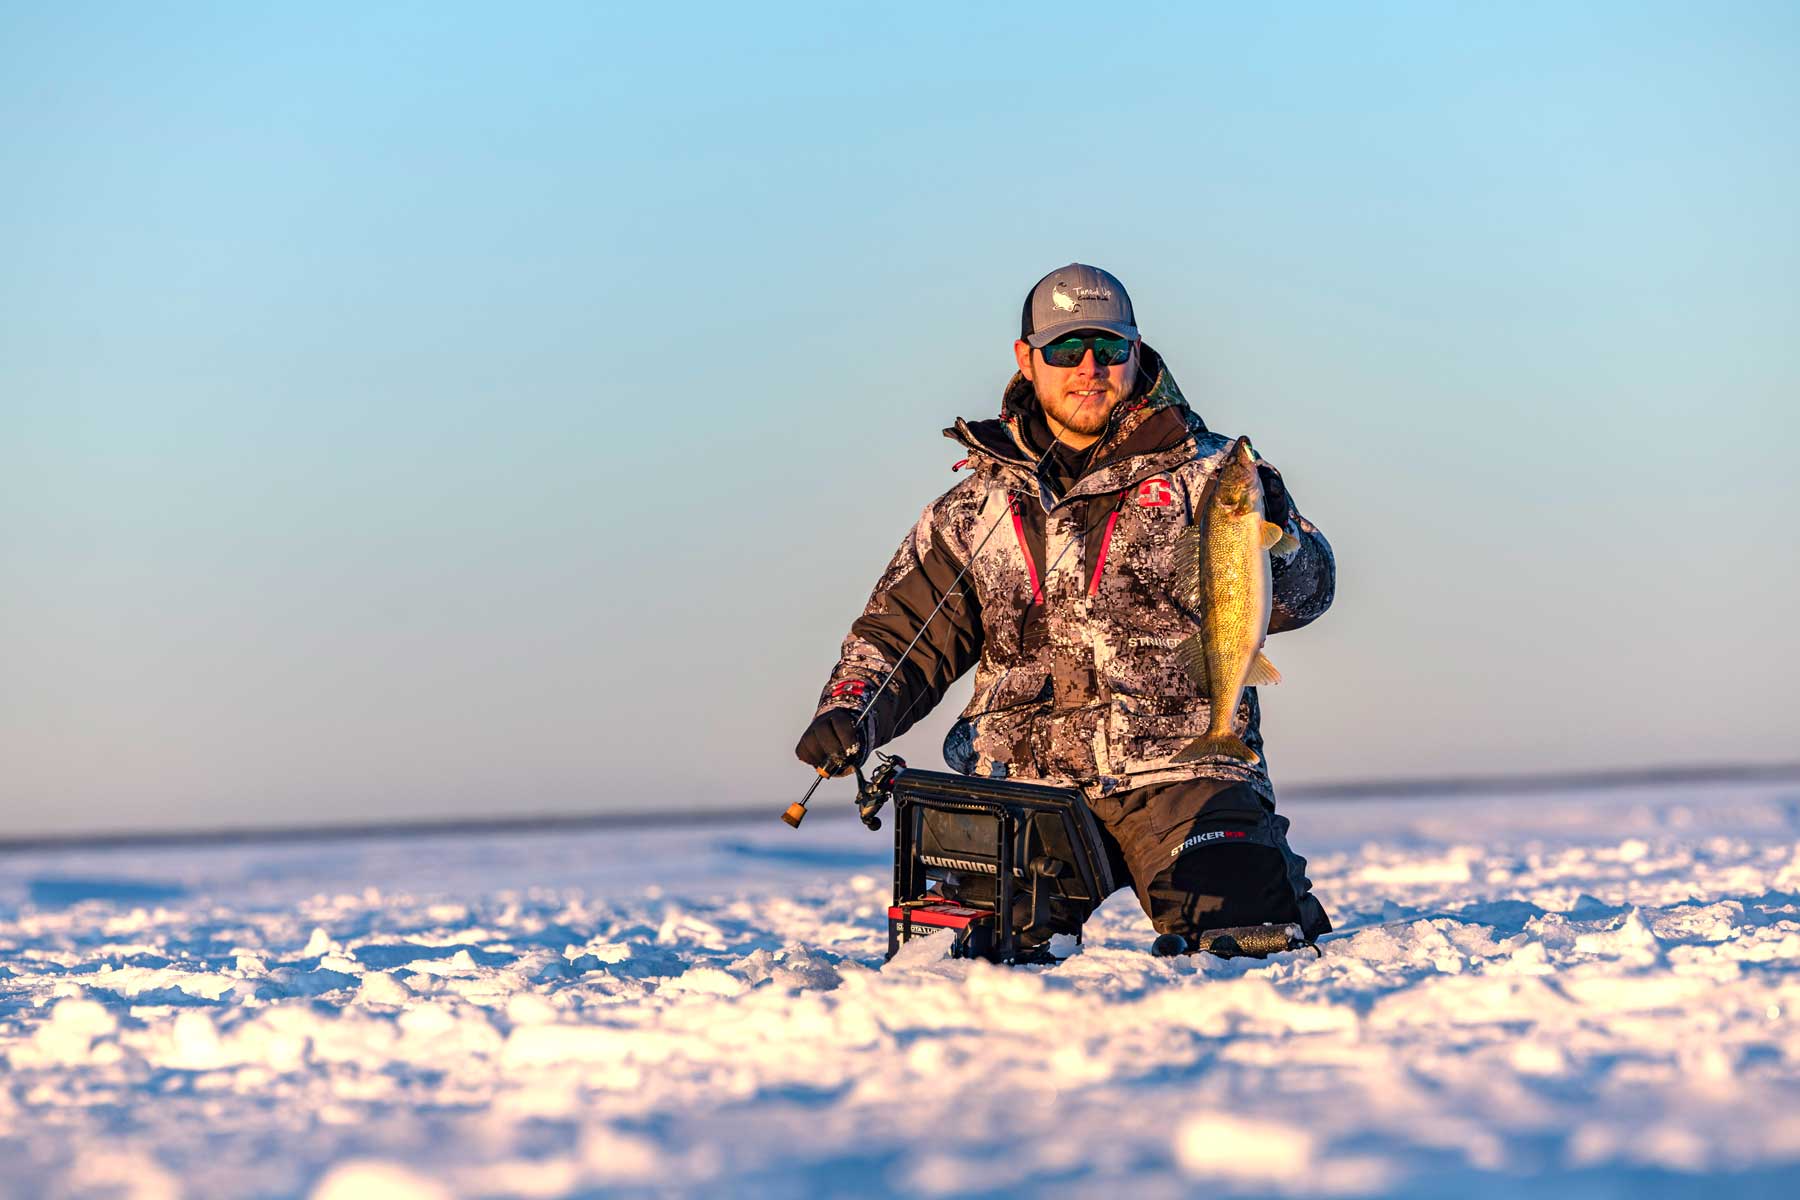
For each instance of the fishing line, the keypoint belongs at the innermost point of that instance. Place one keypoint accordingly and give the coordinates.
(1117, 506)
(950, 591)
(798, 810)
(1055, 441)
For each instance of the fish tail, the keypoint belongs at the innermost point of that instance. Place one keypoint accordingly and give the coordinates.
(1214, 744)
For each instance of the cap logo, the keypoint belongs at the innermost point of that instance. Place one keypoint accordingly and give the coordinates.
(1064, 301)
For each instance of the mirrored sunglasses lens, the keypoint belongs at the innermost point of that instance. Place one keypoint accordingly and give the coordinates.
(1066, 353)
(1111, 351)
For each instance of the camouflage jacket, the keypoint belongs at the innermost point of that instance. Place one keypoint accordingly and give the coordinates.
(1066, 612)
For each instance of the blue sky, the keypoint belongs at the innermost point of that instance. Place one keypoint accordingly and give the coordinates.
(443, 410)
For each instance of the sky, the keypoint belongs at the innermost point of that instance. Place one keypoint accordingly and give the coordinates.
(434, 411)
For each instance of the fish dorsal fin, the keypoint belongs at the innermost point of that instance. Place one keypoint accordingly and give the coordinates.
(1271, 534)
(1262, 672)
(1191, 654)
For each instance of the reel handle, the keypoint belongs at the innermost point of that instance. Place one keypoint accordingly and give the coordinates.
(796, 812)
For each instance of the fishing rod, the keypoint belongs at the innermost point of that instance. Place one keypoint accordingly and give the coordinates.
(796, 812)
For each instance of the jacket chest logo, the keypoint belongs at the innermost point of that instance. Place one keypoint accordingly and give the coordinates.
(1155, 493)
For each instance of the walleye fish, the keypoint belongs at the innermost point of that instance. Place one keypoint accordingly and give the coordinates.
(1222, 571)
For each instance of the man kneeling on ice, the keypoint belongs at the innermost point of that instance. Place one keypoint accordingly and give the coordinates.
(1059, 570)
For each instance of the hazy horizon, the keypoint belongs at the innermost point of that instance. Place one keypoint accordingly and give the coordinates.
(435, 412)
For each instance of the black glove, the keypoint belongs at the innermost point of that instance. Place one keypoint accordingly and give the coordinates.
(1277, 508)
(833, 741)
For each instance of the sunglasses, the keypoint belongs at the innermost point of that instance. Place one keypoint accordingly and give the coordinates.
(1068, 352)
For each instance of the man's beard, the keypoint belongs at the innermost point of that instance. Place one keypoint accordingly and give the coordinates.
(1085, 416)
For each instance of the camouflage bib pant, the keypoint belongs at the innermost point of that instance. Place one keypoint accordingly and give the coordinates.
(1207, 854)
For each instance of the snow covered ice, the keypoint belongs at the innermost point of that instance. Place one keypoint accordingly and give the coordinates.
(1582, 994)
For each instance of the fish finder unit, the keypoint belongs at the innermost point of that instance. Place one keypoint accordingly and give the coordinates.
(1003, 866)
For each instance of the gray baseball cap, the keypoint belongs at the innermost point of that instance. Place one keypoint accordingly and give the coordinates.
(1076, 297)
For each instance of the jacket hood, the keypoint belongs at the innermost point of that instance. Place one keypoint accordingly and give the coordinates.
(1150, 431)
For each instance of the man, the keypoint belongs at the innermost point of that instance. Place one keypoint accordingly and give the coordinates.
(1049, 568)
